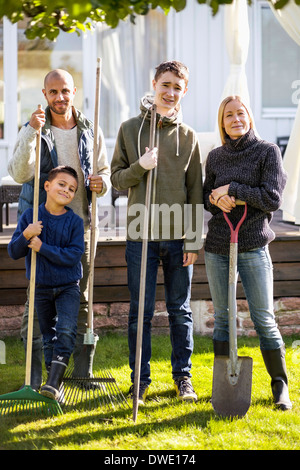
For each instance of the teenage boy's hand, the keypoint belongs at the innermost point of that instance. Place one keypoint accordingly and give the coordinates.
(189, 258)
(148, 161)
(33, 230)
(35, 244)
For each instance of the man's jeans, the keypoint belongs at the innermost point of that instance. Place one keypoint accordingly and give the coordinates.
(57, 310)
(256, 274)
(177, 280)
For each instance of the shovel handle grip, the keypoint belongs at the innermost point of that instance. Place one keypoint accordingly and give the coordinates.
(234, 232)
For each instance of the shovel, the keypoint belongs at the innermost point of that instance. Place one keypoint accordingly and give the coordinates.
(232, 377)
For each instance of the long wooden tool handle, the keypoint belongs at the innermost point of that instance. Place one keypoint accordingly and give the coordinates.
(33, 259)
(94, 201)
(139, 337)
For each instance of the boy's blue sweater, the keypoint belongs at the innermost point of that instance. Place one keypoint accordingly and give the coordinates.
(58, 261)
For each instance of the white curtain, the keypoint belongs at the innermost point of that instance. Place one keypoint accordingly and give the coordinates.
(289, 18)
(237, 37)
(130, 54)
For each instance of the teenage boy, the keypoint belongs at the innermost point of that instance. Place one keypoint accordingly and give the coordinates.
(58, 239)
(177, 186)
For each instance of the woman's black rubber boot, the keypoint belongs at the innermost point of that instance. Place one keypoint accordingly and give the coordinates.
(274, 360)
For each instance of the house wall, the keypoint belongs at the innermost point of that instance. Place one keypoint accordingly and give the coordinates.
(111, 294)
(197, 38)
(193, 36)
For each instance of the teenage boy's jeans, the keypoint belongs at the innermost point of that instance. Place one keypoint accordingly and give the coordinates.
(177, 293)
(256, 273)
(57, 310)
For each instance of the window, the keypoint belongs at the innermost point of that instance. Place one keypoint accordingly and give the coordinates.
(280, 67)
(35, 59)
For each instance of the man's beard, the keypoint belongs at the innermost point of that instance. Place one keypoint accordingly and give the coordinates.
(63, 111)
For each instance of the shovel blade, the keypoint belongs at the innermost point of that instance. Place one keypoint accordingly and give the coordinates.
(231, 396)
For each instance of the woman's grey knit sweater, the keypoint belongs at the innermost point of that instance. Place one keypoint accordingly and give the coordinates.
(254, 170)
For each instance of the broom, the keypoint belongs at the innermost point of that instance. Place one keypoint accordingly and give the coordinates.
(91, 390)
(27, 400)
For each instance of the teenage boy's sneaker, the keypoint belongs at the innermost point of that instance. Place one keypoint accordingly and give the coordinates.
(184, 389)
(143, 391)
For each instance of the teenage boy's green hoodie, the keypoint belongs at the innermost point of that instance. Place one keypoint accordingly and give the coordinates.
(177, 200)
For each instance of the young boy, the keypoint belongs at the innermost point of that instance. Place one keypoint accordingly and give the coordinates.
(58, 239)
(177, 185)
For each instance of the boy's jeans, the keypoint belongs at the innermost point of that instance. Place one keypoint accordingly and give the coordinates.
(256, 273)
(177, 293)
(57, 310)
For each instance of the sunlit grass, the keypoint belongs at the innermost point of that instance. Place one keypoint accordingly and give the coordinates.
(163, 423)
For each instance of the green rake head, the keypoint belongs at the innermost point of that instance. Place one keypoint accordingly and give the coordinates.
(28, 402)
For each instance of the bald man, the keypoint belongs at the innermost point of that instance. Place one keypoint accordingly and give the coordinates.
(67, 139)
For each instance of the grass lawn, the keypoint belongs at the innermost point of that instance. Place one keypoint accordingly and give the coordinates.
(163, 423)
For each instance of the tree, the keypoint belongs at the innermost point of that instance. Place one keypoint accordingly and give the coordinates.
(46, 18)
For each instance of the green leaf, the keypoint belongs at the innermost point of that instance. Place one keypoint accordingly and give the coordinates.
(48, 17)
(179, 5)
(214, 4)
(280, 4)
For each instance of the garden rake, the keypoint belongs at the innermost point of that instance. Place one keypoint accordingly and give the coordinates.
(27, 401)
(91, 391)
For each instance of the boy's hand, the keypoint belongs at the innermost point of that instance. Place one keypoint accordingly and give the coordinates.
(189, 258)
(33, 230)
(37, 119)
(148, 161)
(35, 244)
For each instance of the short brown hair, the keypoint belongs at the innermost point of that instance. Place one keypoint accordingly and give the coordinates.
(174, 66)
(62, 169)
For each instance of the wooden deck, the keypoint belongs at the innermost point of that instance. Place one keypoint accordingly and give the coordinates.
(111, 276)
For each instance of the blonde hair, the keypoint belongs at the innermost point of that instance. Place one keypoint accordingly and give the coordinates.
(222, 106)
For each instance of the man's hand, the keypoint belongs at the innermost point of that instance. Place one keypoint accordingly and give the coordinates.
(96, 183)
(38, 119)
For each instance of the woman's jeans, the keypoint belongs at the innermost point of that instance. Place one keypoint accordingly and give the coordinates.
(256, 274)
(57, 309)
(177, 281)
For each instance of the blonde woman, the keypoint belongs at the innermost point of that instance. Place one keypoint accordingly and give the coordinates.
(250, 169)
